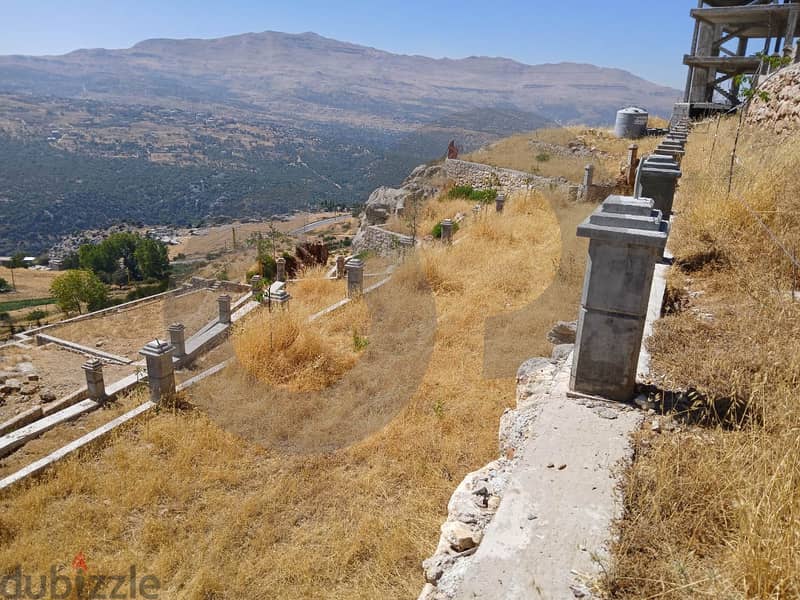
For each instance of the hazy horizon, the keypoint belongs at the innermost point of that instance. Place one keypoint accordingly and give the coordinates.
(610, 34)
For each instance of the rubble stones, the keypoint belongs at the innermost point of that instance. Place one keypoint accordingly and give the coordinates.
(46, 396)
(780, 107)
(460, 536)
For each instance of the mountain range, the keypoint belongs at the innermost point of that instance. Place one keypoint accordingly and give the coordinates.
(257, 123)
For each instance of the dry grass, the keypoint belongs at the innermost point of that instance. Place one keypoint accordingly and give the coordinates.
(715, 511)
(220, 237)
(332, 494)
(30, 284)
(547, 152)
(125, 332)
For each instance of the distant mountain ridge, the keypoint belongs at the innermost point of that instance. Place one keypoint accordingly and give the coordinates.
(293, 76)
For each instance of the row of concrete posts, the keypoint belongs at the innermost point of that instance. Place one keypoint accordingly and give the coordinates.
(158, 359)
(627, 236)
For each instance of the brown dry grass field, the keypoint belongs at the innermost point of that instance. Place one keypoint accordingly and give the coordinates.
(68, 432)
(125, 332)
(266, 491)
(520, 152)
(220, 237)
(714, 511)
(30, 284)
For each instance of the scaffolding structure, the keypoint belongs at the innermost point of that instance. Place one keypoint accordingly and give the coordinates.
(728, 35)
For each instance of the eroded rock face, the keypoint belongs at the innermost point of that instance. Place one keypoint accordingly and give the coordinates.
(423, 182)
(383, 203)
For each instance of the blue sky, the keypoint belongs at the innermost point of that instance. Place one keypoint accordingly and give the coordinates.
(647, 37)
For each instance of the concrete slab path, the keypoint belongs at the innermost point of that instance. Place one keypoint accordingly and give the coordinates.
(552, 527)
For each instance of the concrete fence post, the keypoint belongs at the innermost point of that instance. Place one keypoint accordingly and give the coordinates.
(340, 266)
(355, 277)
(499, 202)
(447, 231)
(224, 302)
(160, 372)
(93, 368)
(177, 337)
(626, 238)
(281, 269)
(658, 180)
(588, 175)
(630, 170)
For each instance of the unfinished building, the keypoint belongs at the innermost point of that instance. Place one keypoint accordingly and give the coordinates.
(732, 38)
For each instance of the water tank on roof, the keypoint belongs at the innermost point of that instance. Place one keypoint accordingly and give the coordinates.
(631, 123)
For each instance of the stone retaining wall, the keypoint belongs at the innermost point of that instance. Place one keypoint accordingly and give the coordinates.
(479, 175)
(381, 241)
(779, 110)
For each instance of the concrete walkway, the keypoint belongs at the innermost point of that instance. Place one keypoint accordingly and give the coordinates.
(553, 523)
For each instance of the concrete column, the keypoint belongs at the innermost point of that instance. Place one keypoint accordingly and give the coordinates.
(355, 277)
(630, 169)
(255, 283)
(177, 337)
(93, 368)
(499, 202)
(160, 372)
(705, 42)
(627, 236)
(340, 267)
(224, 302)
(447, 231)
(658, 182)
(280, 274)
(588, 174)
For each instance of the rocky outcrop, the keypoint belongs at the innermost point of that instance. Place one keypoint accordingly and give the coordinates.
(779, 109)
(424, 182)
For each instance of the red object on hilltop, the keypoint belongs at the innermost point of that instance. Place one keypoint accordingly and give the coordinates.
(452, 149)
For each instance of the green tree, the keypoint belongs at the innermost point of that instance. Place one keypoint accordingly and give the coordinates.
(151, 259)
(74, 289)
(17, 262)
(4, 287)
(98, 259)
(120, 277)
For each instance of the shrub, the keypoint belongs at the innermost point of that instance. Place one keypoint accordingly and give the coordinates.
(543, 157)
(143, 291)
(469, 193)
